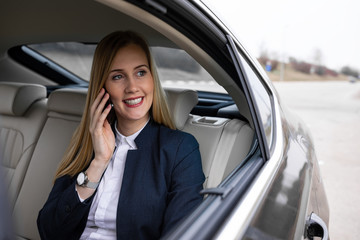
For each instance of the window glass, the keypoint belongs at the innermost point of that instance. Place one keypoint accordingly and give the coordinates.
(175, 67)
(75, 57)
(262, 98)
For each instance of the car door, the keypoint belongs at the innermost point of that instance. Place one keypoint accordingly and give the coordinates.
(287, 210)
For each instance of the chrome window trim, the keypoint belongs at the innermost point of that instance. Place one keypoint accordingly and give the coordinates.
(245, 210)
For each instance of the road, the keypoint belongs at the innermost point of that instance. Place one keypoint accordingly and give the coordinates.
(332, 112)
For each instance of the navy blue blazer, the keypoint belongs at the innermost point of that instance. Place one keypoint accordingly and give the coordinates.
(161, 185)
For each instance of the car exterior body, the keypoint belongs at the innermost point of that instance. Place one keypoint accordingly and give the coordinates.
(276, 192)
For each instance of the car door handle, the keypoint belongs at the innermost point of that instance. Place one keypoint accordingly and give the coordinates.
(316, 227)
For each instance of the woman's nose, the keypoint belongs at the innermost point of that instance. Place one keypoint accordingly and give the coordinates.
(131, 85)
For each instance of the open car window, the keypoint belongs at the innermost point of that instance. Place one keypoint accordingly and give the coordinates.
(175, 67)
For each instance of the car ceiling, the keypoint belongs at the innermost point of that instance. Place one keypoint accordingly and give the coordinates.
(26, 22)
(38, 21)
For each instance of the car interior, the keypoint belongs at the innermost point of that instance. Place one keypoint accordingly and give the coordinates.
(40, 114)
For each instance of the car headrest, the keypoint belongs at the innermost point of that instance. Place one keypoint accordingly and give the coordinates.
(181, 102)
(68, 100)
(72, 101)
(16, 98)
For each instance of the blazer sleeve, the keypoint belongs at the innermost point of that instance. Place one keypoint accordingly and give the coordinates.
(187, 180)
(63, 215)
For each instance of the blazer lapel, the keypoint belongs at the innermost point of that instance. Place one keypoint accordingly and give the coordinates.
(136, 164)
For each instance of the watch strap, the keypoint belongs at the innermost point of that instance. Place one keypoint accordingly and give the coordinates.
(92, 185)
(87, 183)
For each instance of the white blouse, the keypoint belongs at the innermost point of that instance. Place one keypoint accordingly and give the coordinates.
(101, 223)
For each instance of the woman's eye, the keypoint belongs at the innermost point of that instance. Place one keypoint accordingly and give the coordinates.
(141, 73)
(117, 77)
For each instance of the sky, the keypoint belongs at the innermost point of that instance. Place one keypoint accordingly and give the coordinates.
(316, 31)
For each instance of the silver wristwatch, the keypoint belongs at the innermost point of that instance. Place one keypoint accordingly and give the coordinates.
(83, 181)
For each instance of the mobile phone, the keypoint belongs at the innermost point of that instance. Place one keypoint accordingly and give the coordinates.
(111, 116)
(108, 101)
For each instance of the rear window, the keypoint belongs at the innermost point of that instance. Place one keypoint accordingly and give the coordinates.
(175, 67)
(75, 57)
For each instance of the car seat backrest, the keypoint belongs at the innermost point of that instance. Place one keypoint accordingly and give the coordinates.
(22, 116)
(223, 142)
(234, 145)
(65, 108)
(207, 131)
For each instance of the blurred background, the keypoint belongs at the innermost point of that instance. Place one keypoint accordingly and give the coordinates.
(309, 36)
(310, 50)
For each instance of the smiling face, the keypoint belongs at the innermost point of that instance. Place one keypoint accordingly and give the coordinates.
(130, 85)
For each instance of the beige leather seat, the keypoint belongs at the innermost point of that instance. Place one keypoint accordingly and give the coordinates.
(22, 116)
(181, 102)
(224, 143)
(65, 108)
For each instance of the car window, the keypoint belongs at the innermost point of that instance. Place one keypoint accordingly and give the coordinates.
(175, 67)
(73, 56)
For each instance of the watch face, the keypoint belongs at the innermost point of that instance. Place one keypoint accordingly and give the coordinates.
(81, 178)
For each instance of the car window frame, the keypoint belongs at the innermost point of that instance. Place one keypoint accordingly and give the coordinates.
(238, 58)
(44, 66)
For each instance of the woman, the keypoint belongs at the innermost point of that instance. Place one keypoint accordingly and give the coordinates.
(128, 174)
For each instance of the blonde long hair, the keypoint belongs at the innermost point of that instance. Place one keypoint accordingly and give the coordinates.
(80, 150)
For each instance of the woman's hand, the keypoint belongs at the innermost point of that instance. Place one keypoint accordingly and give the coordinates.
(103, 140)
(102, 136)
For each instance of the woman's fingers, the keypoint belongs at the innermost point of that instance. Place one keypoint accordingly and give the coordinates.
(98, 111)
(97, 101)
(100, 129)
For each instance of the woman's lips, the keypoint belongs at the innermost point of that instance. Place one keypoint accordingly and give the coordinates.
(134, 102)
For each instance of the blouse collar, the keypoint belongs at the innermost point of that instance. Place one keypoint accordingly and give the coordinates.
(130, 140)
